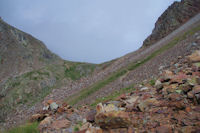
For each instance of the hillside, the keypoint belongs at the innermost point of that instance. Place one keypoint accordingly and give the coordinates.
(58, 95)
(29, 71)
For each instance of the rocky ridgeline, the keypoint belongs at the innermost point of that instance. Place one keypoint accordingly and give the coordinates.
(176, 15)
(171, 105)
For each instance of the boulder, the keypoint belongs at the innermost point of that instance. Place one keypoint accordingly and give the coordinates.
(114, 119)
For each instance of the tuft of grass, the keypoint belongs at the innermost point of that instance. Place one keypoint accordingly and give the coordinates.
(27, 128)
(74, 99)
(112, 96)
(152, 82)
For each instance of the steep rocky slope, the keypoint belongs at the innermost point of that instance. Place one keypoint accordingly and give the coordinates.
(176, 15)
(29, 71)
(169, 104)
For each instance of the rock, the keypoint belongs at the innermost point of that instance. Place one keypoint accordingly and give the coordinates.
(45, 108)
(143, 105)
(198, 80)
(144, 88)
(100, 108)
(90, 116)
(195, 57)
(53, 106)
(110, 107)
(158, 85)
(85, 126)
(132, 100)
(94, 130)
(50, 101)
(59, 124)
(190, 94)
(114, 119)
(37, 117)
(164, 129)
(196, 89)
(43, 124)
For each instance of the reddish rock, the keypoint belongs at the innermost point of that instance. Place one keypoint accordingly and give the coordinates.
(59, 124)
(114, 119)
(37, 117)
(164, 129)
(90, 116)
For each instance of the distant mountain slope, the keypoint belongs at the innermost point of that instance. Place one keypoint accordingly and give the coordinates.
(20, 52)
(176, 15)
(29, 71)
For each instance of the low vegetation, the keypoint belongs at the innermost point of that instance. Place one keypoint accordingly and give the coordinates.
(112, 96)
(74, 99)
(31, 87)
(27, 128)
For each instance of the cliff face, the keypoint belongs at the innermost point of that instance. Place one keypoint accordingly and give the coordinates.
(176, 15)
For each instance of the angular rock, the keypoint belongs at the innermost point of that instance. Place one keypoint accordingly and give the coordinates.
(158, 85)
(37, 117)
(195, 57)
(53, 106)
(114, 119)
(147, 103)
(90, 116)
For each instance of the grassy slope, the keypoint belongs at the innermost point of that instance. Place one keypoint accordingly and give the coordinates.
(32, 87)
(27, 128)
(74, 99)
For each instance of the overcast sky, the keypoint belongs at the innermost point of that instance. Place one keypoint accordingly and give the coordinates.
(86, 30)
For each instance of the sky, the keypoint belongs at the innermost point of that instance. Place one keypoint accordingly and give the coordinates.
(92, 31)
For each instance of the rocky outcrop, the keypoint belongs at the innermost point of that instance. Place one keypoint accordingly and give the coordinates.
(176, 15)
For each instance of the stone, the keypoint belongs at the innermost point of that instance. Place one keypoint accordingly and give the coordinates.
(114, 119)
(43, 124)
(85, 126)
(196, 89)
(110, 107)
(37, 117)
(195, 57)
(164, 129)
(100, 108)
(90, 116)
(45, 108)
(190, 94)
(59, 124)
(143, 105)
(94, 130)
(158, 85)
(144, 88)
(53, 106)
(132, 99)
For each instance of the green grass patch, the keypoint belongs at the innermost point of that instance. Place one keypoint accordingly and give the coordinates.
(27, 128)
(74, 99)
(152, 82)
(112, 96)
